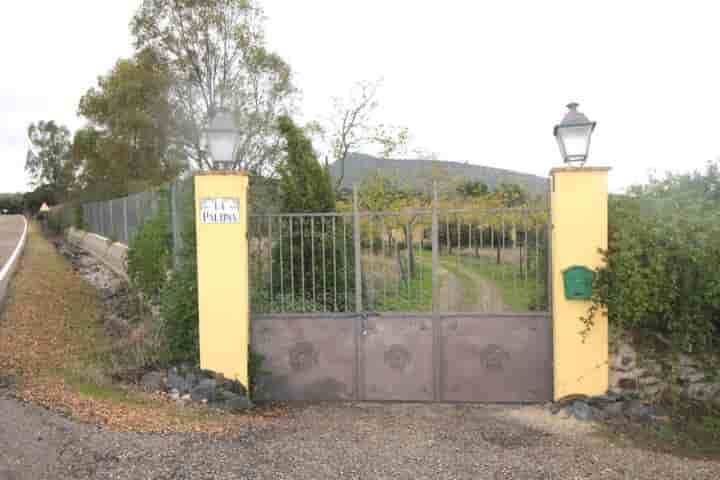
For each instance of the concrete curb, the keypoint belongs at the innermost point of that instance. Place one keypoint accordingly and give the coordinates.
(10, 266)
(112, 255)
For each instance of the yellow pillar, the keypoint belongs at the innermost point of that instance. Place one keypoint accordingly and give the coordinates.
(579, 221)
(222, 264)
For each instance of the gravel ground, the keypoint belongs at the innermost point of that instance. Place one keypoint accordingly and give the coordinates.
(352, 440)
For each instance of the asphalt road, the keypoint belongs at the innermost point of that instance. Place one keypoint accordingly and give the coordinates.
(11, 228)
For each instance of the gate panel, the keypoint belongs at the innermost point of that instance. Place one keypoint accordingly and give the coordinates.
(496, 358)
(306, 358)
(397, 359)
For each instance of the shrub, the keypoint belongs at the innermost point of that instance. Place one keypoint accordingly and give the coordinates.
(149, 254)
(661, 275)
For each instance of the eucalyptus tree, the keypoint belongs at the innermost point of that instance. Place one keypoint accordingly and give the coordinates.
(218, 58)
(49, 160)
(129, 138)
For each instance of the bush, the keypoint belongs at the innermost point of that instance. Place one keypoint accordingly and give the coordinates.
(661, 275)
(149, 254)
(179, 302)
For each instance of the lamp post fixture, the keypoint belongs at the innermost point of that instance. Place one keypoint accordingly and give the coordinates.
(223, 138)
(573, 135)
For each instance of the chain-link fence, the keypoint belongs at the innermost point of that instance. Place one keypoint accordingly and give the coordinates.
(119, 219)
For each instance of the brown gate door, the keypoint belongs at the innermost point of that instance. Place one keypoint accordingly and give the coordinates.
(456, 358)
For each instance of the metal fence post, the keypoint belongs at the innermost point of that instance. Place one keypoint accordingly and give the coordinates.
(357, 246)
(125, 222)
(435, 252)
(111, 227)
(174, 225)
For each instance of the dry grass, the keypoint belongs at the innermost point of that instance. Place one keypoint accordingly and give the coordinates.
(53, 342)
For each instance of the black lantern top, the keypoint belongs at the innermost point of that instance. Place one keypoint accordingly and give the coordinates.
(573, 135)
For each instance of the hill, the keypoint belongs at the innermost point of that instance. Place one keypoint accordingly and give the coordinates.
(358, 166)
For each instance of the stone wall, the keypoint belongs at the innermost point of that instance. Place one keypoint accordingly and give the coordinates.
(647, 372)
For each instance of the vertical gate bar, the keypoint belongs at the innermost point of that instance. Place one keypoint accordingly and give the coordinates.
(502, 249)
(448, 243)
(291, 240)
(538, 290)
(270, 252)
(282, 277)
(324, 269)
(514, 271)
(345, 262)
(398, 258)
(435, 242)
(312, 251)
(458, 220)
(409, 258)
(358, 260)
(369, 277)
(385, 266)
(436, 357)
(302, 261)
(334, 264)
(526, 245)
(418, 266)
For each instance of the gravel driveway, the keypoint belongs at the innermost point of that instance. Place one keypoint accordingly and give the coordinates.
(352, 440)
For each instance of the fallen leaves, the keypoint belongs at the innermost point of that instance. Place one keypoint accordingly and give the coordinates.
(51, 329)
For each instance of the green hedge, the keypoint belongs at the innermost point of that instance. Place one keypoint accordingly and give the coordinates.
(662, 274)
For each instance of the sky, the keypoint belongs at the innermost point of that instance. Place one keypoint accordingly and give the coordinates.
(474, 81)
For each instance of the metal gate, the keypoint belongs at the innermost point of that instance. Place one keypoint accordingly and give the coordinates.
(458, 358)
(331, 292)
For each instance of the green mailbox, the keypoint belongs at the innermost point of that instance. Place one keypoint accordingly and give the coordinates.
(578, 282)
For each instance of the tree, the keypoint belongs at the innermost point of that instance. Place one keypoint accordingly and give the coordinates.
(472, 189)
(512, 195)
(352, 127)
(217, 56)
(48, 161)
(130, 135)
(305, 185)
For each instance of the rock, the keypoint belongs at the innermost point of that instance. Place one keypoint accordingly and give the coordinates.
(615, 409)
(175, 381)
(191, 380)
(702, 391)
(174, 394)
(605, 399)
(649, 380)
(652, 390)
(234, 402)
(234, 387)
(638, 410)
(627, 384)
(205, 390)
(693, 376)
(582, 411)
(625, 358)
(598, 413)
(153, 382)
(185, 397)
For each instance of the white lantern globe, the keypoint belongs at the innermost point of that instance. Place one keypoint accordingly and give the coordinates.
(573, 135)
(223, 138)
